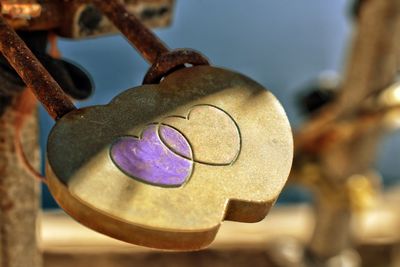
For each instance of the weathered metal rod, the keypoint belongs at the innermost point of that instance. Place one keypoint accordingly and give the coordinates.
(35, 76)
(144, 40)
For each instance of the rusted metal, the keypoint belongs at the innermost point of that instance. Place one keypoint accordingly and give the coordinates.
(21, 10)
(33, 73)
(50, 16)
(171, 61)
(149, 45)
(78, 18)
(81, 19)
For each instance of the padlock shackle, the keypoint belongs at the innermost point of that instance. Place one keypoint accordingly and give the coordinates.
(32, 72)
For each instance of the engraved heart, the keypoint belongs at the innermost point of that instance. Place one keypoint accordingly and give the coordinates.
(213, 135)
(147, 159)
(160, 195)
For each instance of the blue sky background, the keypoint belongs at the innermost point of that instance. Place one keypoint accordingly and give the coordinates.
(282, 44)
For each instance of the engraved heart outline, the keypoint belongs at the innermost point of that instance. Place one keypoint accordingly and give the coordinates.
(139, 138)
(161, 139)
(187, 117)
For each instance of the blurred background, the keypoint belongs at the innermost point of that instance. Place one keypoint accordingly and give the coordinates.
(284, 45)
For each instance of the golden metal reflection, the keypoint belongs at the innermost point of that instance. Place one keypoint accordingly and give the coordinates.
(224, 184)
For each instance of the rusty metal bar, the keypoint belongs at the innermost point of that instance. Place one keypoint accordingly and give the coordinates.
(33, 73)
(145, 41)
(78, 18)
(148, 44)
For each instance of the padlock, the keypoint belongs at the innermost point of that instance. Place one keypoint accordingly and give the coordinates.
(164, 164)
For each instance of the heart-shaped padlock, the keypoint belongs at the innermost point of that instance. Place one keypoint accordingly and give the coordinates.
(162, 165)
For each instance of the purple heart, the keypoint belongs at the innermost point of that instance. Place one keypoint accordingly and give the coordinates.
(149, 160)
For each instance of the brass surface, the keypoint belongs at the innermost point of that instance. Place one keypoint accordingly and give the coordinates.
(88, 185)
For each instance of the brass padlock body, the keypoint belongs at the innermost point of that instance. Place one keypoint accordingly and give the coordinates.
(163, 165)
